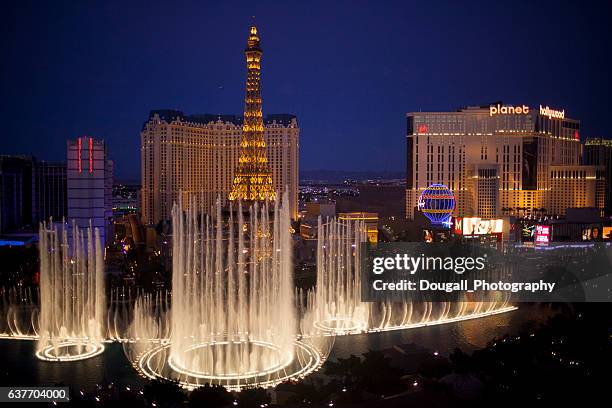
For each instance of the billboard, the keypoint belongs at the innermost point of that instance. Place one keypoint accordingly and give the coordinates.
(527, 231)
(542, 234)
(478, 226)
(591, 234)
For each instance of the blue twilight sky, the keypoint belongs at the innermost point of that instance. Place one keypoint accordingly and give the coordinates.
(349, 70)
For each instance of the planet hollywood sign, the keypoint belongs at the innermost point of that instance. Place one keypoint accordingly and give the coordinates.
(523, 110)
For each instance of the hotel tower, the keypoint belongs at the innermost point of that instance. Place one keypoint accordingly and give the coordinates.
(90, 186)
(208, 156)
(501, 160)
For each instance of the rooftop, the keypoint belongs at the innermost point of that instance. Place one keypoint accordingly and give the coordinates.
(170, 115)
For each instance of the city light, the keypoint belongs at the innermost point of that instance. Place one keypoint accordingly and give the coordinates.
(404, 226)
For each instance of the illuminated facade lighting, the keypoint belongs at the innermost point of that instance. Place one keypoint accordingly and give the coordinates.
(80, 153)
(598, 152)
(203, 156)
(89, 193)
(197, 155)
(369, 219)
(498, 160)
(90, 155)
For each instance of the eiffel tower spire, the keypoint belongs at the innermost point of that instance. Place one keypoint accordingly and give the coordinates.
(253, 177)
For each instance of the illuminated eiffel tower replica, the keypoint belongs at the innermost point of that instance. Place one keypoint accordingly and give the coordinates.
(253, 177)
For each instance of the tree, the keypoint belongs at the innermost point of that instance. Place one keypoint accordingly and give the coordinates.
(164, 393)
(374, 373)
(347, 368)
(302, 392)
(253, 397)
(210, 396)
(378, 375)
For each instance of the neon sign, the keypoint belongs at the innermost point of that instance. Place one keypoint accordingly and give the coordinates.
(79, 156)
(459, 226)
(542, 234)
(90, 155)
(478, 226)
(551, 113)
(508, 110)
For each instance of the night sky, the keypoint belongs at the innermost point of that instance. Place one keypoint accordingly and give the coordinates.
(349, 70)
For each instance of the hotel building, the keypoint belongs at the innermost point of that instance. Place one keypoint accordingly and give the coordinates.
(90, 185)
(576, 187)
(369, 219)
(30, 191)
(49, 191)
(598, 152)
(15, 193)
(501, 160)
(196, 155)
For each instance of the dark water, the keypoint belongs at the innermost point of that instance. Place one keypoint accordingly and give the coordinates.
(19, 367)
(468, 335)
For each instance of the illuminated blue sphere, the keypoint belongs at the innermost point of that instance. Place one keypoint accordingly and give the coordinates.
(437, 203)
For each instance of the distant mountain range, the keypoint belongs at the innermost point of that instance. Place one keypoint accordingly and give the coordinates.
(127, 181)
(337, 176)
(328, 176)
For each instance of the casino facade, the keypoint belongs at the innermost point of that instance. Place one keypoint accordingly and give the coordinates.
(501, 160)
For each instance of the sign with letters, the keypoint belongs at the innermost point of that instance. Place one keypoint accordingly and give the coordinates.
(508, 110)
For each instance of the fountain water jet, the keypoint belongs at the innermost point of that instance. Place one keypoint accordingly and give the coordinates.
(337, 298)
(335, 305)
(233, 318)
(72, 294)
(232, 300)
